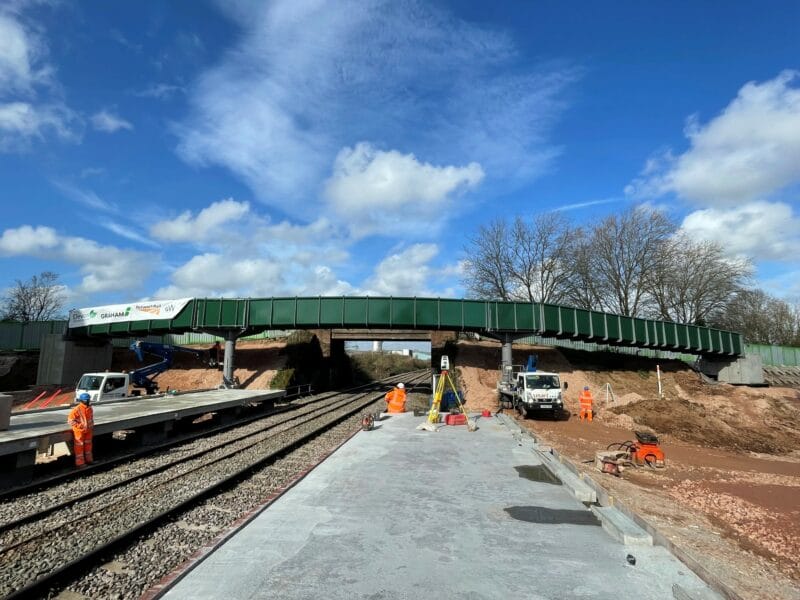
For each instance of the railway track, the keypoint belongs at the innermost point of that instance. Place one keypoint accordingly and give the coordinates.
(112, 461)
(43, 548)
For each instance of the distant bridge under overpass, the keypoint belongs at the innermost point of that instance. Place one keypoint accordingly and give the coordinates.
(232, 318)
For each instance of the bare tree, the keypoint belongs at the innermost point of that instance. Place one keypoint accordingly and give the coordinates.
(539, 250)
(694, 281)
(487, 270)
(525, 261)
(761, 318)
(39, 299)
(617, 258)
(582, 288)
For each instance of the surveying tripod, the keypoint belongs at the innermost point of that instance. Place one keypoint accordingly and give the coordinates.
(444, 379)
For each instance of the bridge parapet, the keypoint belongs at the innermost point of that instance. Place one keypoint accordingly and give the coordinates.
(252, 315)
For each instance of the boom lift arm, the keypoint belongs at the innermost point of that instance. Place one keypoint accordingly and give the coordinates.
(145, 376)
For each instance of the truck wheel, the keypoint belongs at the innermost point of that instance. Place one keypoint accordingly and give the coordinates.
(522, 412)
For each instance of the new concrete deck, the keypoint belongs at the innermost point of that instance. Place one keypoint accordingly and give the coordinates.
(400, 513)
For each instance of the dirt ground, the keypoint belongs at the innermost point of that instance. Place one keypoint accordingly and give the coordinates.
(730, 494)
(256, 363)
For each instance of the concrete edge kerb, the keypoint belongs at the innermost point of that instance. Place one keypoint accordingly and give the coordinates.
(604, 498)
(554, 459)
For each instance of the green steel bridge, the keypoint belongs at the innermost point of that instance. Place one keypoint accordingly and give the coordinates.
(501, 320)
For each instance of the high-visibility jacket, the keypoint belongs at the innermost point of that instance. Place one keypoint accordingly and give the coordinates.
(81, 419)
(396, 400)
(586, 399)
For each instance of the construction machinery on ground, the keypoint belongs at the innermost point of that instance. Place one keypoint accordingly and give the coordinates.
(114, 386)
(645, 451)
(531, 392)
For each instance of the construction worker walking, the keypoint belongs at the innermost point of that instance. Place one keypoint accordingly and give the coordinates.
(586, 401)
(81, 419)
(396, 399)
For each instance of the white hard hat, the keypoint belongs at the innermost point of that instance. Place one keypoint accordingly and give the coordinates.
(400, 385)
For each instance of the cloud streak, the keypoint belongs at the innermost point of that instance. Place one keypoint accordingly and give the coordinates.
(308, 79)
(24, 73)
(109, 123)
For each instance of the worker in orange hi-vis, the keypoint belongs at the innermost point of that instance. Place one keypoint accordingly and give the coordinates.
(396, 399)
(586, 401)
(81, 419)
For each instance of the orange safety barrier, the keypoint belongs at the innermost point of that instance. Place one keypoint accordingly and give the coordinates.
(51, 398)
(34, 401)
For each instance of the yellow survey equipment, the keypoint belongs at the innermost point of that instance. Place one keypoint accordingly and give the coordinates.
(433, 413)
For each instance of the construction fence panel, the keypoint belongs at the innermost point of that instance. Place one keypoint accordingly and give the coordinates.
(27, 336)
(775, 356)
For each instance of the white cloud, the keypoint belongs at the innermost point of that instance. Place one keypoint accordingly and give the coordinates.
(186, 228)
(322, 281)
(20, 54)
(760, 230)
(374, 189)
(24, 72)
(746, 153)
(309, 78)
(259, 258)
(109, 123)
(20, 122)
(213, 274)
(27, 240)
(104, 268)
(405, 273)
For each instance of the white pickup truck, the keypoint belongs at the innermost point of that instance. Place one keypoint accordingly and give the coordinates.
(533, 393)
(103, 387)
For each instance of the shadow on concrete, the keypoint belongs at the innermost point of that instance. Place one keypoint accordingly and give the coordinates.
(552, 516)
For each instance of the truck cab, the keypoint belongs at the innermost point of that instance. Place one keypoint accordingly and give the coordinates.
(103, 387)
(539, 392)
(533, 392)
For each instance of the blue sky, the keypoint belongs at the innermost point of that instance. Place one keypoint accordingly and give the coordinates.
(166, 150)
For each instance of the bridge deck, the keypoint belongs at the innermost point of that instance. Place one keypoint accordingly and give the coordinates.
(252, 315)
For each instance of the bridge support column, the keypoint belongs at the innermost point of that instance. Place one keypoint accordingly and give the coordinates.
(506, 357)
(339, 372)
(228, 379)
(325, 340)
(62, 362)
(506, 353)
(741, 370)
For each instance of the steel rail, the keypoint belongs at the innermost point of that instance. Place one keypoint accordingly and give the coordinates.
(105, 465)
(65, 571)
(296, 413)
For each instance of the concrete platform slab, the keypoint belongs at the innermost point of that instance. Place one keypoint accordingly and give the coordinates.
(400, 513)
(36, 429)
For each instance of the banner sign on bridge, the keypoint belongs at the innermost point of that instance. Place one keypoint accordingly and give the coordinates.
(135, 311)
